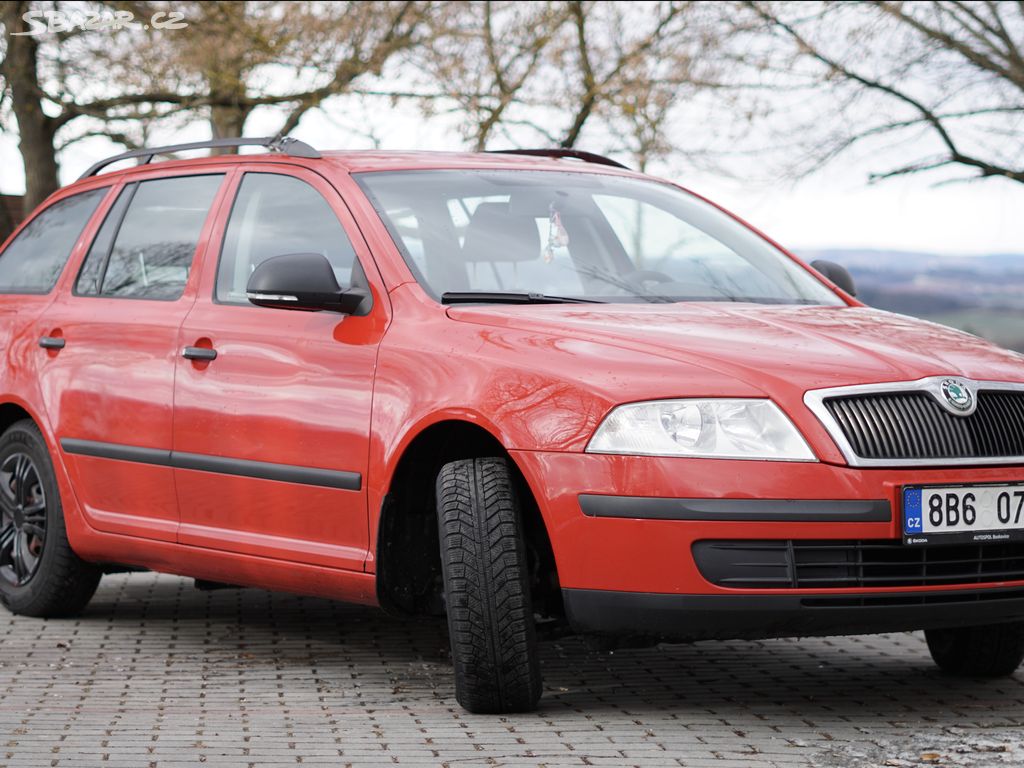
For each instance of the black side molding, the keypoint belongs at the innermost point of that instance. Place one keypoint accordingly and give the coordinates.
(745, 510)
(259, 470)
(283, 473)
(131, 453)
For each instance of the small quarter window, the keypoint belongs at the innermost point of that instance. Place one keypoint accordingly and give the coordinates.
(32, 263)
(92, 270)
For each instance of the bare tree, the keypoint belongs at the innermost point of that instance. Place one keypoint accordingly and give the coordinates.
(566, 72)
(19, 69)
(481, 57)
(236, 57)
(232, 59)
(646, 118)
(38, 87)
(610, 52)
(944, 80)
(6, 223)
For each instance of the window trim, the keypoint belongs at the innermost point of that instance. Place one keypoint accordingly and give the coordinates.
(357, 265)
(105, 189)
(132, 186)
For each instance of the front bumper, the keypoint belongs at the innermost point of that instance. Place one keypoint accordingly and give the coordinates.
(727, 617)
(648, 548)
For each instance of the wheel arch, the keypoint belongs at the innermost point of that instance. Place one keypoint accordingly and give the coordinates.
(11, 414)
(408, 565)
(14, 409)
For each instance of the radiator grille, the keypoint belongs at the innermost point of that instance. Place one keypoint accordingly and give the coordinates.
(912, 425)
(804, 564)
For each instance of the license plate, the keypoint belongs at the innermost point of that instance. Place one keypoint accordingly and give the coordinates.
(971, 513)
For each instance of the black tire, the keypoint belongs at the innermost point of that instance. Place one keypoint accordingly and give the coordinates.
(990, 651)
(490, 614)
(40, 575)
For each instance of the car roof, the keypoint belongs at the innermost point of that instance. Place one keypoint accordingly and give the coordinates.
(378, 160)
(368, 161)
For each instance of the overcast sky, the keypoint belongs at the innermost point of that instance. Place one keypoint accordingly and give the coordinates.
(836, 208)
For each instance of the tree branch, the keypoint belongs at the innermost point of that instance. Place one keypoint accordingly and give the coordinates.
(928, 116)
(979, 60)
(355, 65)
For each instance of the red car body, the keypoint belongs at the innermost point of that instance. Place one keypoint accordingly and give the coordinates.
(358, 395)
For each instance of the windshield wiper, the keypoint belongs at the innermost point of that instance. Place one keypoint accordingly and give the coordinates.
(503, 297)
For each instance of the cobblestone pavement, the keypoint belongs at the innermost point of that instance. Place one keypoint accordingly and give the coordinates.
(157, 673)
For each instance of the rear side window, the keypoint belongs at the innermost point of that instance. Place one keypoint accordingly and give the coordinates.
(145, 248)
(275, 215)
(33, 262)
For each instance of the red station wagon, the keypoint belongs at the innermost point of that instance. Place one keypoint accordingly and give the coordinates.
(523, 389)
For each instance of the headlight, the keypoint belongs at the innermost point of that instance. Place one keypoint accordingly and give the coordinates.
(712, 429)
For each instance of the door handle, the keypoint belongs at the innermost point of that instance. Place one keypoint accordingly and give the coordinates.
(201, 354)
(52, 342)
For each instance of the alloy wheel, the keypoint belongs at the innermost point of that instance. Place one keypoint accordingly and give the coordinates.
(22, 519)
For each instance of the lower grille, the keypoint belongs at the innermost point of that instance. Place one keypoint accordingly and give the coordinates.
(802, 564)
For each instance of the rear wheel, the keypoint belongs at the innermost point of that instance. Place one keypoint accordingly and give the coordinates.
(990, 651)
(490, 614)
(39, 573)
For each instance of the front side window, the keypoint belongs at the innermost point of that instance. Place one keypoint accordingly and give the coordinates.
(32, 263)
(581, 236)
(276, 215)
(145, 248)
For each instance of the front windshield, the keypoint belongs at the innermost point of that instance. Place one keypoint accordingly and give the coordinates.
(579, 236)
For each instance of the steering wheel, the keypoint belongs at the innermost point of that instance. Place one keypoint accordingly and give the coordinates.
(648, 276)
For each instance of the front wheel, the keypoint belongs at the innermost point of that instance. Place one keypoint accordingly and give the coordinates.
(991, 651)
(39, 573)
(490, 614)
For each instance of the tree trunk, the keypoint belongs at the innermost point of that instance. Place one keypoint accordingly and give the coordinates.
(38, 157)
(35, 128)
(227, 122)
(6, 225)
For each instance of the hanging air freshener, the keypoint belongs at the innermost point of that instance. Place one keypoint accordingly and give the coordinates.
(557, 236)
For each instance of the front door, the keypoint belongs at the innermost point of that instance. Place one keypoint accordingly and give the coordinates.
(272, 407)
(108, 380)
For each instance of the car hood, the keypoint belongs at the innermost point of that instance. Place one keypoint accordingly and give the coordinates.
(770, 348)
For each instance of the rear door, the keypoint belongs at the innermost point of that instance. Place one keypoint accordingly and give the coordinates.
(30, 267)
(108, 381)
(272, 422)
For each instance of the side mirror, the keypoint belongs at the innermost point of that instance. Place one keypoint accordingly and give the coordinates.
(837, 274)
(304, 282)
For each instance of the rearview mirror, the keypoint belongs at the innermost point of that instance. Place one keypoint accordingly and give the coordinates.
(304, 282)
(837, 274)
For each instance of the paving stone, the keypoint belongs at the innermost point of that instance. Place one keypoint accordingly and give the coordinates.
(158, 674)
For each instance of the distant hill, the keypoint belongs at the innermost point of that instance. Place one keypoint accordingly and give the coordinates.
(983, 295)
(915, 261)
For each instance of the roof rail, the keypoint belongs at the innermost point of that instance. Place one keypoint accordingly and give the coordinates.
(576, 154)
(284, 145)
